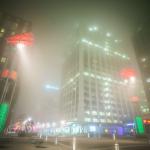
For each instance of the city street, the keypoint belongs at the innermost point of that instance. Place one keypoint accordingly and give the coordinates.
(66, 144)
(75, 75)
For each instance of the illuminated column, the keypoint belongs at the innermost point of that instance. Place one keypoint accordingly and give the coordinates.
(9, 74)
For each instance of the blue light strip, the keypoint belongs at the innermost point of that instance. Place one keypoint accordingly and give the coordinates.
(50, 87)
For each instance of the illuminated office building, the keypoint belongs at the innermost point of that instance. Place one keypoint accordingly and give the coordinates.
(99, 83)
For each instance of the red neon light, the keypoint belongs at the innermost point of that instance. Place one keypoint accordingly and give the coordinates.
(134, 98)
(127, 73)
(24, 38)
(146, 121)
(13, 75)
(5, 73)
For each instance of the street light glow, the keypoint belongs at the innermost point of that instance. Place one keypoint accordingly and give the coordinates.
(20, 46)
(125, 81)
(62, 122)
(29, 119)
(94, 28)
(53, 124)
(108, 34)
(132, 79)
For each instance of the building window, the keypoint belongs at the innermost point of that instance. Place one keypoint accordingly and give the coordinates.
(2, 30)
(3, 59)
(87, 119)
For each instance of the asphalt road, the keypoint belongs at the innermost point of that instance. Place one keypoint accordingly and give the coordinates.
(66, 144)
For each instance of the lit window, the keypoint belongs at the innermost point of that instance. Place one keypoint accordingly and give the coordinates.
(106, 95)
(84, 40)
(123, 56)
(86, 73)
(87, 119)
(108, 114)
(106, 49)
(87, 112)
(108, 34)
(106, 89)
(95, 120)
(92, 128)
(96, 45)
(90, 43)
(109, 121)
(2, 30)
(102, 120)
(106, 83)
(101, 113)
(90, 29)
(71, 80)
(92, 75)
(3, 59)
(94, 113)
(107, 107)
(94, 28)
(98, 77)
(115, 121)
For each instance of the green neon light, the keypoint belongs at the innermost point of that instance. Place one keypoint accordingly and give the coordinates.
(139, 125)
(4, 109)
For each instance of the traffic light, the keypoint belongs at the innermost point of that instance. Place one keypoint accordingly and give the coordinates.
(4, 109)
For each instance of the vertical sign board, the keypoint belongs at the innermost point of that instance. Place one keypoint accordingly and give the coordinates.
(4, 109)
(139, 126)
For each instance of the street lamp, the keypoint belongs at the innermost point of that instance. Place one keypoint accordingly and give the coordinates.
(29, 119)
(132, 79)
(20, 46)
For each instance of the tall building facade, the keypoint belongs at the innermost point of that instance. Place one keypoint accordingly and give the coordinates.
(99, 83)
(9, 26)
(142, 50)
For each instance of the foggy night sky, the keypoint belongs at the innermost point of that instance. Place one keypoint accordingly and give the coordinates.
(52, 23)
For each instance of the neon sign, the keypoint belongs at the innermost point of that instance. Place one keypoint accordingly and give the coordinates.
(24, 38)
